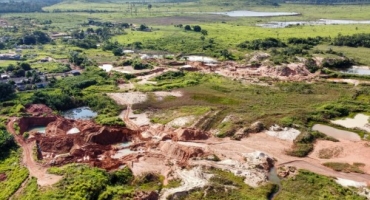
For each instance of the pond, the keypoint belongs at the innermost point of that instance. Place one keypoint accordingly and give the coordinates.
(39, 129)
(73, 131)
(336, 133)
(360, 121)
(200, 59)
(274, 178)
(123, 152)
(124, 144)
(247, 13)
(360, 70)
(280, 24)
(83, 113)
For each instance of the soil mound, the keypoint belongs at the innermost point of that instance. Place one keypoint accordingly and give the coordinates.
(2, 177)
(57, 144)
(59, 127)
(190, 134)
(179, 152)
(109, 135)
(27, 122)
(39, 110)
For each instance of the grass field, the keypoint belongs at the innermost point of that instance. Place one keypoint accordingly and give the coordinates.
(360, 54)
(227, 36)
(250, 103)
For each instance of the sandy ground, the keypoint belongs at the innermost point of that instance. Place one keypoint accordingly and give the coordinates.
(230, 149)
(35, 169)
(351, 152)
(128, 98)
(162, 94)
(193, 178)
(141, 119)
(126, 86)
(347, 183)
(289, 134)
(181, 121)
(146, 79)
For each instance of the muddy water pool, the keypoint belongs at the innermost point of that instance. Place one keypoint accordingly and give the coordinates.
(336, 133)
(84, 113)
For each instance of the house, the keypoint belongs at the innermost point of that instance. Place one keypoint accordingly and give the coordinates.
(75, 72)
(10, 56)
(60, 35)
(4, 76)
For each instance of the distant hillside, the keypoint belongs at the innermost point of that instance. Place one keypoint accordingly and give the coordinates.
(329, 2)
(241, 2)
(24, 6)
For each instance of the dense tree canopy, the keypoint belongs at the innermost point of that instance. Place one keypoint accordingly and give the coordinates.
(6, 90)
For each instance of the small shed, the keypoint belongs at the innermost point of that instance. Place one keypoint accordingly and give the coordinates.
(75, 72)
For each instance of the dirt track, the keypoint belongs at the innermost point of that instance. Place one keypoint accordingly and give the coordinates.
(35, 169)
(274, 147)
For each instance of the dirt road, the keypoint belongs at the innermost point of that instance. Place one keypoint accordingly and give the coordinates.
(35, 169)
(274, 147)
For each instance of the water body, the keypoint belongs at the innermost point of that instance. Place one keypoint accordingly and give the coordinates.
(360, 121)
(274, 178)
(123, 152)
(83, 113)
(73, 131)
(336, 133)
(200, 59)
(246, 13)
(125, 144)
(279, 24)
(358, 70)
(39, 129)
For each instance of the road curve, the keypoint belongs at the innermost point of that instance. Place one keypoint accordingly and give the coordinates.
(35, 169)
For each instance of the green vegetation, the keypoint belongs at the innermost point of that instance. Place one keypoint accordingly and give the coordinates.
(345, 167)
(304, 143)
(83, 182)
(81, 35)
(313, 102)
(10, 163)
(6, 90)
(308, 185)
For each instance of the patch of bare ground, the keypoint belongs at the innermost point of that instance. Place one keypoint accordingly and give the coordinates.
(331, 152)
(344, 151)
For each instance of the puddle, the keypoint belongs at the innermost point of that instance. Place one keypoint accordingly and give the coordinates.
(200, 59)
(123, 152)
(84, 113)
(106, 67)
(124, 144)
(38, 129)
(246, 13)
(73, 131)
(360, 121)
(279, 24)
(336, 133)
(274, 178)
(358, 70)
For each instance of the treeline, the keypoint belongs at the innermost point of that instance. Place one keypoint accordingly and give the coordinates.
(329, 2)
(25, 7)
(357, 40)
